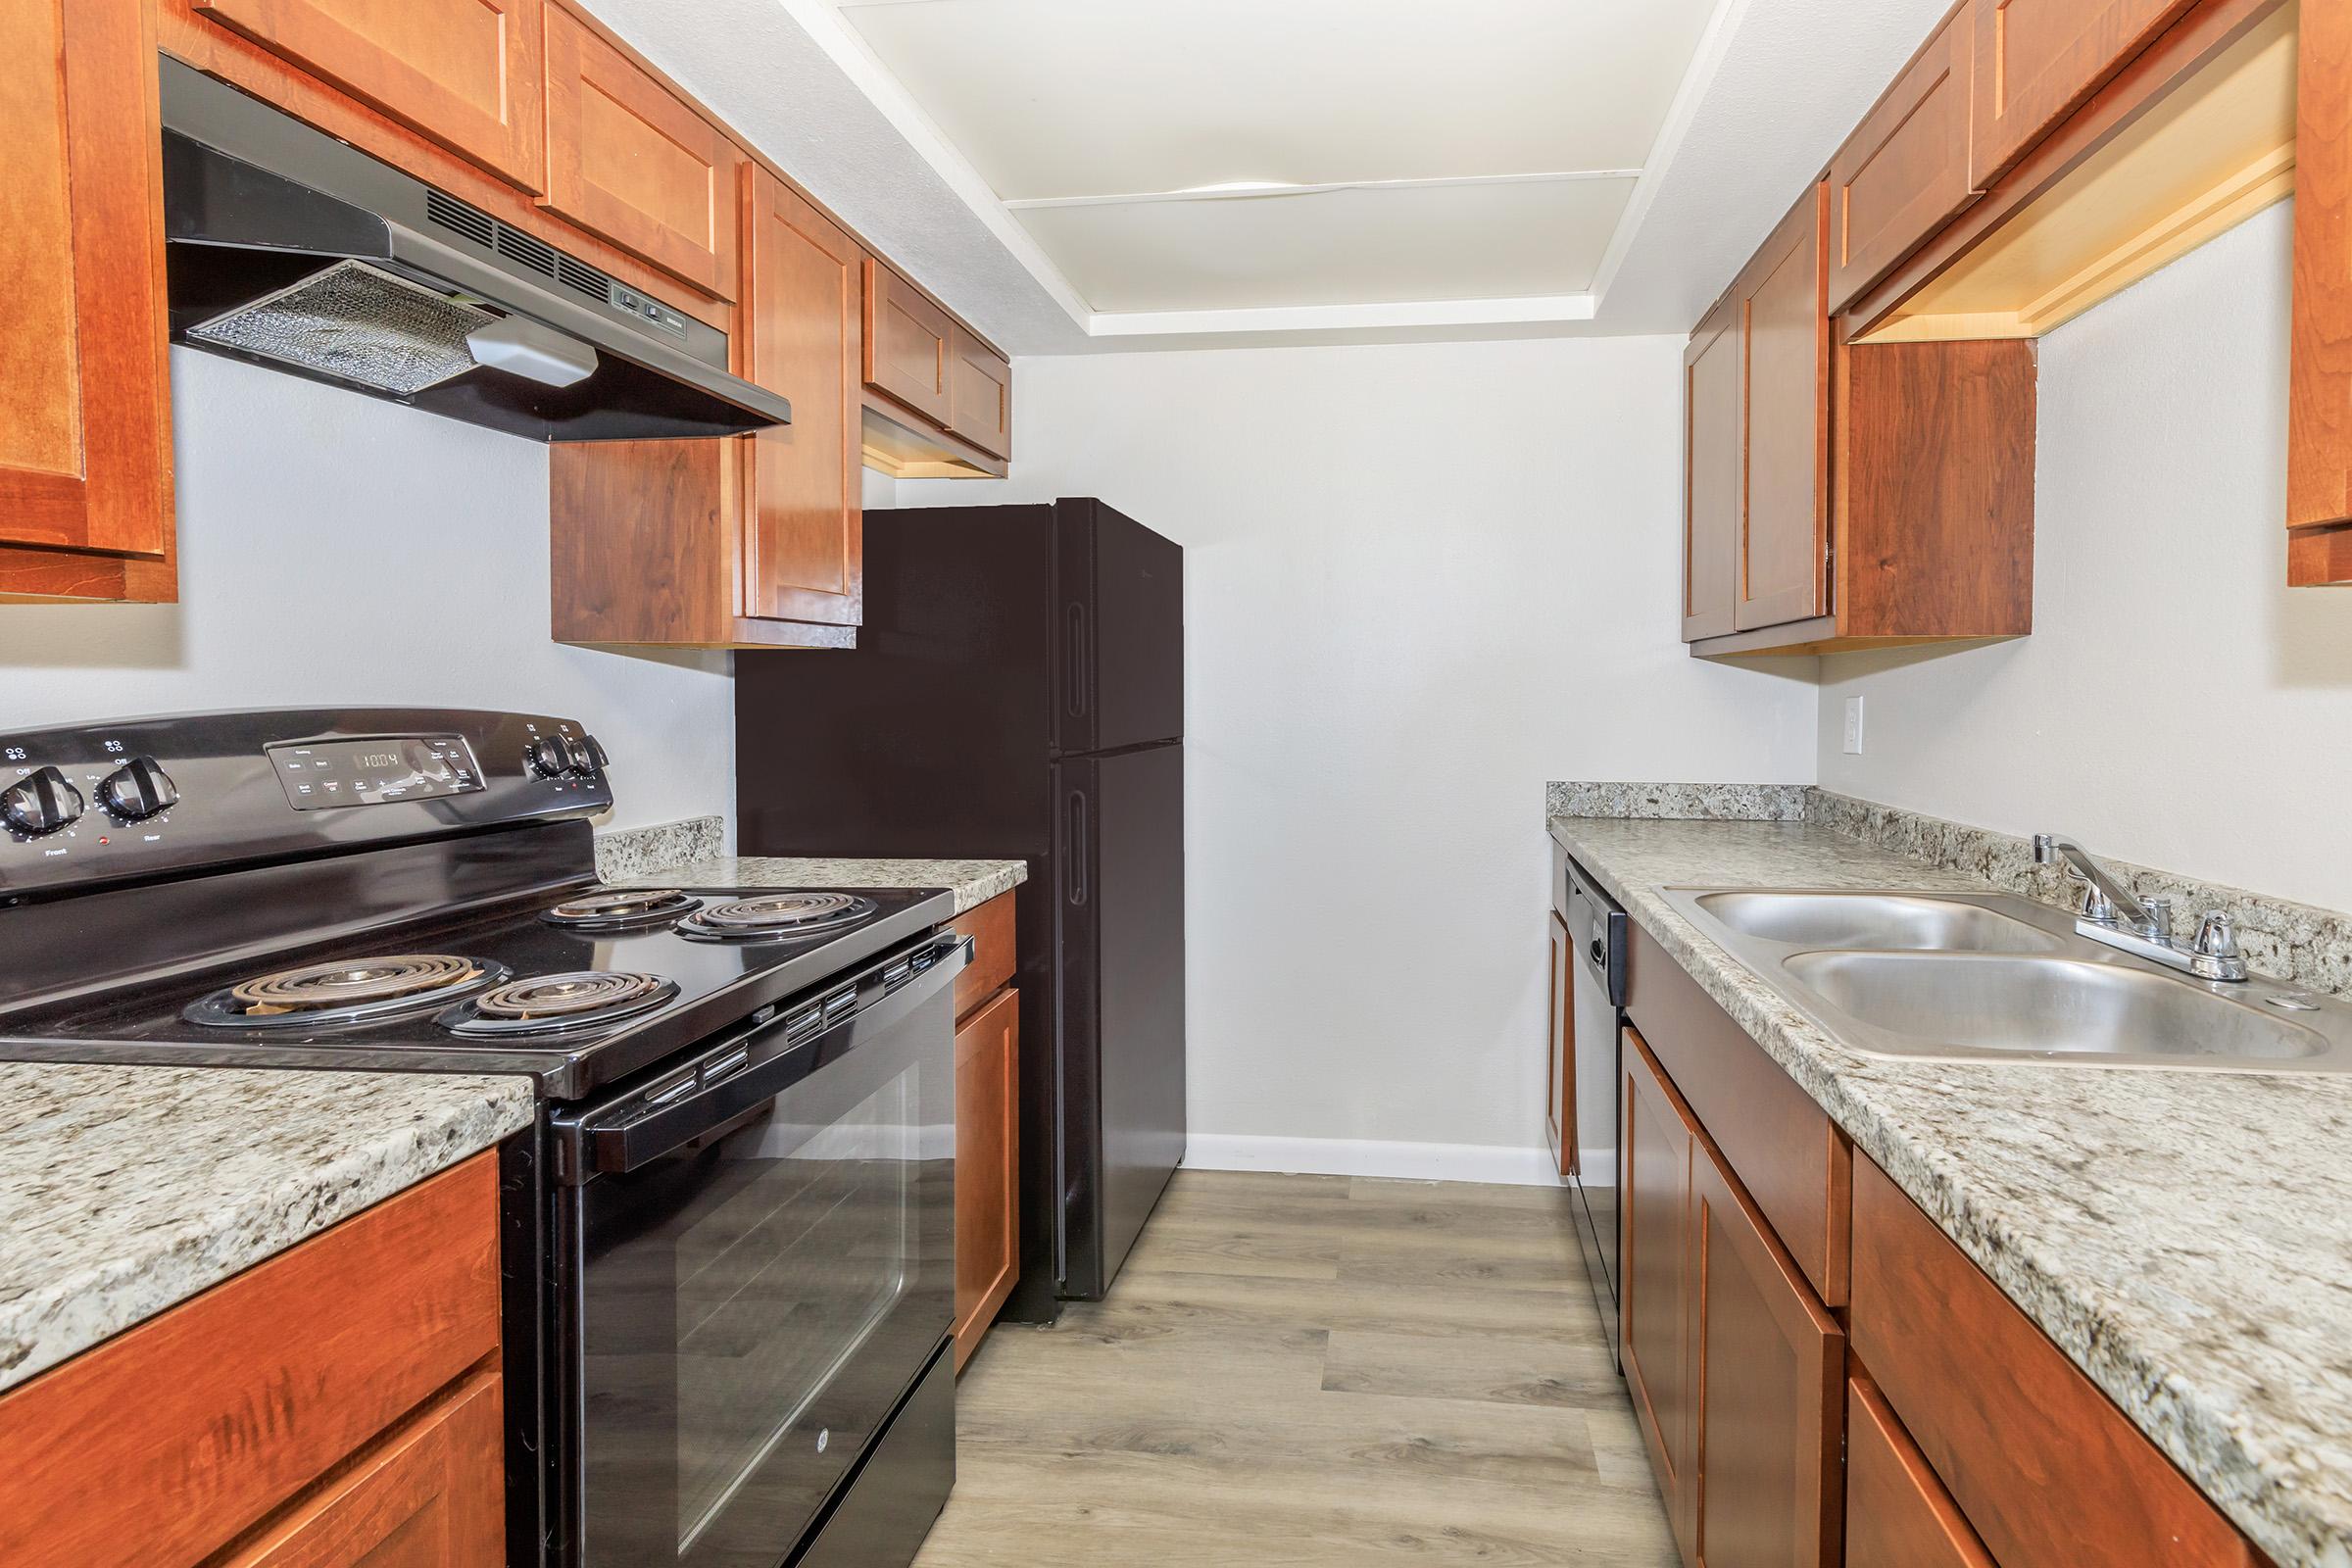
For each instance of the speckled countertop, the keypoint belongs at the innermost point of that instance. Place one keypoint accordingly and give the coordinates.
(2186, 1237)
(973, 882)
(126, 1190)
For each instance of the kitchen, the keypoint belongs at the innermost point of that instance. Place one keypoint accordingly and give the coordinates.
(1455, 536)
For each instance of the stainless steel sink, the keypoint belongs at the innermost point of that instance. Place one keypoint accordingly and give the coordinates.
(1876, 921)
(1991, 977)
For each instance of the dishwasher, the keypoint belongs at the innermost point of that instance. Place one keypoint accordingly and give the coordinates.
(1597, 940)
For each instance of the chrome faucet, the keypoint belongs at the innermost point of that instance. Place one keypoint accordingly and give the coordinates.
(2112, 915)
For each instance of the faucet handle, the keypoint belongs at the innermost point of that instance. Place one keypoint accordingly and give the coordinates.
(2097, 906)
(2160, 919)
(2217, 935)
(2045, 848)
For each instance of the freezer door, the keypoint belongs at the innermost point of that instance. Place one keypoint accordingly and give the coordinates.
(1120, 1046)
(1118, 601)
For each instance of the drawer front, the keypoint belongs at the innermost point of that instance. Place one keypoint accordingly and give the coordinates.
(991, 927)
(1778, 1141)
(2047, 1470)
(171, 1439)
(1905, 169)
(629, 161)
(464, 74)
(1898, 1514)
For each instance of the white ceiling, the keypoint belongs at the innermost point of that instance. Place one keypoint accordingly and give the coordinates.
(1449, 169)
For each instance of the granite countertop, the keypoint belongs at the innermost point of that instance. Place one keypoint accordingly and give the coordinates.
(973, 882)
(2186, 1237)
(127, 1189)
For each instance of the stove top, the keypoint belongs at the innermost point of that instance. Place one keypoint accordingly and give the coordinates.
(579, 988)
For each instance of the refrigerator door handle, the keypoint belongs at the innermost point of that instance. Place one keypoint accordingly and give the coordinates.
(1074, 858)
(1074, 670)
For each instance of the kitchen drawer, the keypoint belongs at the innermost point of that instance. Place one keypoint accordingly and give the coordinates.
(1898, 1514)
(165, 1443)
(466, 74)
(1781, 1145)
(2049, 1472)
(991, 928)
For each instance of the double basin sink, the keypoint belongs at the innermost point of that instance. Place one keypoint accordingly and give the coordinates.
(1967, 976)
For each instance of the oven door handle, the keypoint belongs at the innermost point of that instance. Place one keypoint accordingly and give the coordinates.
(623, 1137)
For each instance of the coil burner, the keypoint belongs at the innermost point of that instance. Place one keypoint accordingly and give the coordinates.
(550, 1003)
(776, 916)
(347, 991)
(622, 909)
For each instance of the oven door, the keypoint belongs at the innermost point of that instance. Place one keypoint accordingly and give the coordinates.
(755, 1260)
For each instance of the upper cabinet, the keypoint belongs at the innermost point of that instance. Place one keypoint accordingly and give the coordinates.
(2036, 60)
(1713, 450)
(630, 160)
(2319, 407)
(938, 401)
(907, 343)
(1906, 171)
(464, 74)
(979, 394)
(85, 439)
(1781, 306)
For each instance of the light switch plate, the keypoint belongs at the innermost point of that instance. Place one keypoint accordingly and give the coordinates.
(1854, 726)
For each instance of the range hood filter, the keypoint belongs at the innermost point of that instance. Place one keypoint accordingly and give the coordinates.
(356, 324)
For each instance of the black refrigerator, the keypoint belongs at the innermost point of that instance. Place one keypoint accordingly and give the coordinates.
(1017, 692)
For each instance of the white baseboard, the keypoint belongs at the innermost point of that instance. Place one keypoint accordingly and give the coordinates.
(1355, 1156)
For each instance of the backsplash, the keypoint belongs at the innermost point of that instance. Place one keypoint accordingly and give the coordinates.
(2298, 941)
(633, 851)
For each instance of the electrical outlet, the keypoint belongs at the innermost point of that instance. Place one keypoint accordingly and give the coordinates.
(1854, 726)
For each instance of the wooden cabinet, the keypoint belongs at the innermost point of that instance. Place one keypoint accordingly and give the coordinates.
(1898, 1514)
(2047, 1471)
(1657, 1141)
(464, 74)
(1781, 303)
(1767, 1364)
(630, 160)
(907, 343)
(987, 1163)
(1713, 450)
(1559, 1048)
(85, 439)
(210, 1426)
(1905, 169)
(2318, 404)
(979, 395)
(804, 331)
(988, 1124)
(2036, 60)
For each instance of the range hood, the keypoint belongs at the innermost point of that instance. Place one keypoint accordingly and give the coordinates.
(296, 252)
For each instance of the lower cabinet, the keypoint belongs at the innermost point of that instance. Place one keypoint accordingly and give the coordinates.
(1657, 1143)
(1898, 1514)
(338, 1403)
(988, 1124)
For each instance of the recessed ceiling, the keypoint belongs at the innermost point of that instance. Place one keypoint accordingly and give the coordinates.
(1239, 155)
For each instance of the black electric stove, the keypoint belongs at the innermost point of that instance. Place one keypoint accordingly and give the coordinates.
(747, 1093)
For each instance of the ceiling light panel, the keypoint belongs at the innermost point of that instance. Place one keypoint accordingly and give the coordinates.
(1095, 97)
(1335, 246)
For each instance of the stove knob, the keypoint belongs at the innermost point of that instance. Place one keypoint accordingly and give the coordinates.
(579, 762)
(548, 757)
(598, 762)
(138, 790)
(41, 801)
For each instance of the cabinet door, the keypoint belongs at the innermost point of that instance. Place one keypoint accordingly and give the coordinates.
(1559, 1049)
(802, 331)
(464, 74)
(979, 395)
(628, 160)
(1712, 435)
(1768, 1361)
(1784, 329)
(2036, 60)
(987, 1163)
(1654, 1255)
(86, 441)
(432, 1496)
(906, 344)
(1905, 169)
(1898, 1514)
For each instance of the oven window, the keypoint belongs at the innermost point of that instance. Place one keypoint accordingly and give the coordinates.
(808, 1240)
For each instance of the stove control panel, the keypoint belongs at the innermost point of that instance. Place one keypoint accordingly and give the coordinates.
(86, 805)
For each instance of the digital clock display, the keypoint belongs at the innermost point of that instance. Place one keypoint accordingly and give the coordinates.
(379, 771)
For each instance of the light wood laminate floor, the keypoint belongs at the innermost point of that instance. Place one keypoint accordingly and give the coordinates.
(1310, 1371)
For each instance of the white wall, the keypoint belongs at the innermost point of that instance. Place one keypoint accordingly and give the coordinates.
(338, 548)
(1420, 582)
(2177, 704)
